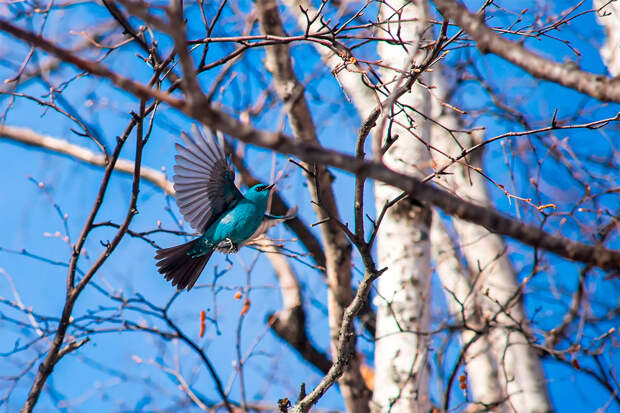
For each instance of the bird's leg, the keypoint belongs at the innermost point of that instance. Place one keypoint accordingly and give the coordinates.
(232, 247)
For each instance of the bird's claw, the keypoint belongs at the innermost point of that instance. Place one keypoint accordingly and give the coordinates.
(230, 246)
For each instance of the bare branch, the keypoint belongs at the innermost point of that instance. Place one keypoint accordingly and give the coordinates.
(124, 83)
(344, 350)
(56, 145)
(72, 290)
(489, 218)
(337, 249)
(487, 41)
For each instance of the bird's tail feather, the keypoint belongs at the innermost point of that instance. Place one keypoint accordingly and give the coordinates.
(181, 268)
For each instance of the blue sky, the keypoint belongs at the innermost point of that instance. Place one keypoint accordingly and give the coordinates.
(89, 380)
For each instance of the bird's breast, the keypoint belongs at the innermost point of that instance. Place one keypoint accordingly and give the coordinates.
(238, 224)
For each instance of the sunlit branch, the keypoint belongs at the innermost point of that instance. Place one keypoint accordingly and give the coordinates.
(487, 41)
(491, 219)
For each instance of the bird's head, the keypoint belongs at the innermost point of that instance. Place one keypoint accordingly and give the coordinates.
(259, 193)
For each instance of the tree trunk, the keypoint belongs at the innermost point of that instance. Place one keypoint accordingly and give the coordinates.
(403, 310)
(609, 17)
(521, 371)
(480, 364)
(337, 247)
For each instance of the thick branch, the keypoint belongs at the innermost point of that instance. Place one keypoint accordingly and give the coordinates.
(337, 248)
(29, 137)
(489, 218)
(487, 41)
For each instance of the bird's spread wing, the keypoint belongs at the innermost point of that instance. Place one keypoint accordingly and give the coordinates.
(270, 221)
(204, 182)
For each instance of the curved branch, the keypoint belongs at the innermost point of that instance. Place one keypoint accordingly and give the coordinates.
(31, 138)
(487, 41)
(489, 218)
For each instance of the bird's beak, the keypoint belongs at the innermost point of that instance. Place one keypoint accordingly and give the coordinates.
(269, 187)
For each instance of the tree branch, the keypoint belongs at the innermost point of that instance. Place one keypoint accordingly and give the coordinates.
(487, 41)
(344, 350)
(31, 138)
(337, 248)
(89, 66)
(489, 218)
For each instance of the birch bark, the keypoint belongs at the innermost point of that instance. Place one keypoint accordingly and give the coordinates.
(609, 17)
(520, 370)
(403, 246)
(461, 297)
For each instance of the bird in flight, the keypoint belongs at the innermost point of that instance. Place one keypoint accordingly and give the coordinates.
(204, 185)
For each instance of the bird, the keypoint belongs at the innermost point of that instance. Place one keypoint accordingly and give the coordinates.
(206, 194)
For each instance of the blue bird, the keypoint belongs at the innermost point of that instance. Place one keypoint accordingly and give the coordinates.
(204, 185)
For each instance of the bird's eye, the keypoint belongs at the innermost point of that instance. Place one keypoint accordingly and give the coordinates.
(261, 188)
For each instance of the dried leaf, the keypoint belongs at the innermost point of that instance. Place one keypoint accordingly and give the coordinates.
(246, 306)
(203, 316)
(368, 375)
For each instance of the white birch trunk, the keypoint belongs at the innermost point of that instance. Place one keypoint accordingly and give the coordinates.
(609, 18)
(521, 373)
(480, 364)
(403, 298)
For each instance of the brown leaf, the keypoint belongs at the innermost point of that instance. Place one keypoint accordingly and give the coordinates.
(203, 316)
(246, 306)
(368, 375)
